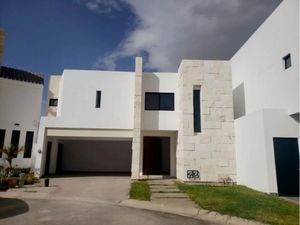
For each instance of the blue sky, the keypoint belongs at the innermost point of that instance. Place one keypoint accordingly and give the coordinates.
(48, 36)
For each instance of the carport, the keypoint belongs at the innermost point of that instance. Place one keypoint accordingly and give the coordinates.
(67, 151)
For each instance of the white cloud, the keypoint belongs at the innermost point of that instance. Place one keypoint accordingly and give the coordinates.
(100, 6)
(170, 30)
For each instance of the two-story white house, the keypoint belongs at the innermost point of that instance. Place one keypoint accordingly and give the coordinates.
(210, 121)
(175, 124)
(265, 78)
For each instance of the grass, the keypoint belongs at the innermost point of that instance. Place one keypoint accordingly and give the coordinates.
(243, 202)
(140, 190)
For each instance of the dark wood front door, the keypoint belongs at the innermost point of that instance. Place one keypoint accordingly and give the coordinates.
(287, 166)
(156, 156)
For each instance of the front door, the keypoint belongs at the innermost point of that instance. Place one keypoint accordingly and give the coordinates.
(156, 157)
(287, 166)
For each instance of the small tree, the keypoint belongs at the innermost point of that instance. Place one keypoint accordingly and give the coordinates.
(11, 152)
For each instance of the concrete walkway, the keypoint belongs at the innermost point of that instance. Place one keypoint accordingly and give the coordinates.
(165, 190)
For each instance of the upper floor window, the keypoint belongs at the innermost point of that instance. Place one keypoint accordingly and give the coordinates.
(98, 99)
(287, 61)
(159, 101)
(53, 101)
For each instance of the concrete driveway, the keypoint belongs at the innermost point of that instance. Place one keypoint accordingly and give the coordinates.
(80, 200)
(100, 188)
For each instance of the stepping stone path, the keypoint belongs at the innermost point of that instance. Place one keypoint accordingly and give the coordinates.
(165, 189)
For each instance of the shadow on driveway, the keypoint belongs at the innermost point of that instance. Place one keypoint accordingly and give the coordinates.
(11, 207)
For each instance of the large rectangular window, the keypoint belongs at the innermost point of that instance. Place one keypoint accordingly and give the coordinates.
(28, 144)
(98, 99)
(15, 138)
(2, 137)
(197, 110)
(159, 101)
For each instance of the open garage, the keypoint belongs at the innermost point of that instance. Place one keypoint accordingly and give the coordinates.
(88, 156)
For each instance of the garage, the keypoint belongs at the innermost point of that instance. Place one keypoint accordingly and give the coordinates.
(90, 156)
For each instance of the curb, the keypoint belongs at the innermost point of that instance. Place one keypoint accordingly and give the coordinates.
(199, 214)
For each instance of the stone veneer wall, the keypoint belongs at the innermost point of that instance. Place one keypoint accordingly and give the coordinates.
(211, 152)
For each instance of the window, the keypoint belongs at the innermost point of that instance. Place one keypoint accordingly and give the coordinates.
(28, 144)
(159, 101)
(287, 61)
(197, 110)
(2, 137)
(15, 137)
(239, 108)
(98, 99)
(53, 101)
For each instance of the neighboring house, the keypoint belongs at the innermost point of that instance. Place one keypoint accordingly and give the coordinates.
(175, 124)
(20, 110)
(265, 75)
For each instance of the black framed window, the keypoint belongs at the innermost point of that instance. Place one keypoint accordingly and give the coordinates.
(28, 144)
(197, 110)
(2, 138)
(159, 101)
(98, 99)
(53, 102)
(287, 61)
(15, 138)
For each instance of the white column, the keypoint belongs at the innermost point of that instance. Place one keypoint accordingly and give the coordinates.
(137, 140)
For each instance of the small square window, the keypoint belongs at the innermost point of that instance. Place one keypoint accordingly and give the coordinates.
(53, 102)
(287, 61)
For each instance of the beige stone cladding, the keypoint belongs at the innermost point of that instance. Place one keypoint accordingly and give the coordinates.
(210, 151)
(137, 144)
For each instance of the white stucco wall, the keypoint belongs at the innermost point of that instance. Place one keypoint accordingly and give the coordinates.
(77, 97)
(251, 158)
(254, 142)
(160, 120)
(20, 103)
(259, 62)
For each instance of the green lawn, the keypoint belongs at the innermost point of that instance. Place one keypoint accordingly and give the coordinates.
(243, 202)
(140, 190)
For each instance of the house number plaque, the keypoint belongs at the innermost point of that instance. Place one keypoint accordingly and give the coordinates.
(193, 174)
